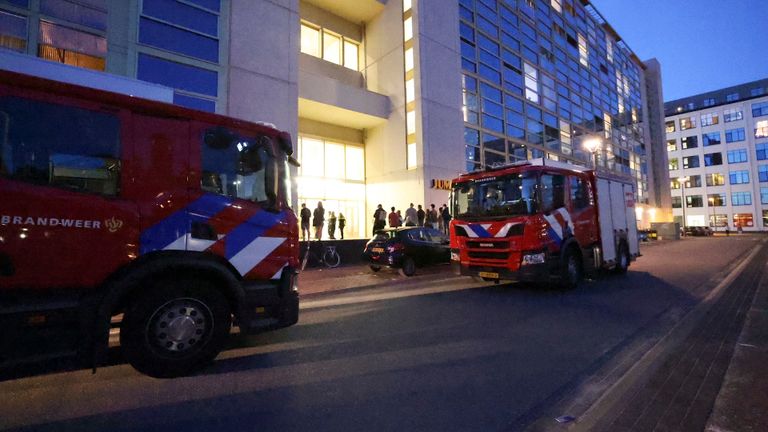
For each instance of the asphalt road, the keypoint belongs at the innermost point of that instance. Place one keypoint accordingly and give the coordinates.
(452, 355)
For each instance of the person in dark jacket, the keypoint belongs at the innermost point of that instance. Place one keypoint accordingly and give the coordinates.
(342, 224)
(446, 219)
(332, 226)
(421, 215)
(318, 220)
(306, 214)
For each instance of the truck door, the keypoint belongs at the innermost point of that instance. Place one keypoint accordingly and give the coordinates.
(582, 208)
(62, 221)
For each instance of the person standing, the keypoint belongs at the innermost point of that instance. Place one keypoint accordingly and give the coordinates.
(432, 217)
(393, 219)
(342, 224)
(446, 219)
(305, 215)
(440, 219)
(411, 217)
(318, 220)
(421, 215)
(379, 219)
(332, 226)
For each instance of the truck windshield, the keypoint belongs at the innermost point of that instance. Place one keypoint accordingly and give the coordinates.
(495, 197)
(246, 169)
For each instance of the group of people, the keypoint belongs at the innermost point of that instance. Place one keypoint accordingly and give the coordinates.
(432, 217)
(318, 222)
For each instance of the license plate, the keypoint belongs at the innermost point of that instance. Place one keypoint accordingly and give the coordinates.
(377, 250)
(489, 275)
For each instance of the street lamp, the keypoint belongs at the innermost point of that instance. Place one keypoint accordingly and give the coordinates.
(682, 181)
(592, 145)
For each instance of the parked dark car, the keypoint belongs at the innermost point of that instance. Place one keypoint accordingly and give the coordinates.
(647, 235)
(698, 231)
(407, 248)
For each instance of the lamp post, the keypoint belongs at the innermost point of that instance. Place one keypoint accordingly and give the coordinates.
(592, 145)
(682, 181)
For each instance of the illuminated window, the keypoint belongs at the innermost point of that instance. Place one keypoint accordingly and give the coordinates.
(671, 145)
(716, 200)
(743, 219)
(583, 52)
(715, 179)
(411, 155)
(310, 40)
(410, 91)
(312, 157)
(408, 29)
(406, 5)
(557, 5)
(709, 119)
(670, 126)
(331, 47)
(531, 83)
(355, 163)
(13, 31)
(410, 122)
(673, 164)
(734, 114)
(761, 129)
(687, 123)
(73, 47)
(334, 160)
(408, 59)
(351, 51)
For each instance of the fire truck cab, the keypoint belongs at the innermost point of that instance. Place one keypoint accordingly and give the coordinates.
(118, 212)
(542, 221)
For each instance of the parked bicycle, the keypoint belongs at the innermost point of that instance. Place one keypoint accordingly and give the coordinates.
(322, 254)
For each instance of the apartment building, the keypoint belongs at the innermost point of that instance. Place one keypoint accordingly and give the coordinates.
(717, 144)
(387, 99)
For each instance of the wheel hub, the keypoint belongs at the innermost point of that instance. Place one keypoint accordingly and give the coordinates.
(179, 325)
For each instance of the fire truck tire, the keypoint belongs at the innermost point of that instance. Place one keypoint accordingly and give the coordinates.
(571, 270)
(622, 260)
(409, 267)
(175, 328)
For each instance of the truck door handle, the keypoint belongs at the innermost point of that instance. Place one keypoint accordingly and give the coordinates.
(203, 231)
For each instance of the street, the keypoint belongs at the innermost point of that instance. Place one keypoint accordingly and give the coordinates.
(442, 354)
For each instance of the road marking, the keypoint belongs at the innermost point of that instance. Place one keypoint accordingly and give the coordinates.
(465, 284)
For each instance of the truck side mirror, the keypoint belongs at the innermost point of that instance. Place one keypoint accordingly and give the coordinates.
(249, 161)
(218, 138)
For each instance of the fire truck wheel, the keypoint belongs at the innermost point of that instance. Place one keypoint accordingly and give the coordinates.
(175, 328)
(571, 272)
(622, 261)
(409, 267)
(374, 268)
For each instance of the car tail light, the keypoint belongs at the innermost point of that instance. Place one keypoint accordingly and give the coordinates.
(395, 247)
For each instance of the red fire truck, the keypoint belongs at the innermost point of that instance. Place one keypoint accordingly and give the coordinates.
(542, 221)
(115, 211)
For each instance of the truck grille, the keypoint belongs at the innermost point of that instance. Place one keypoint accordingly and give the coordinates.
(488, 255)
(487, 245)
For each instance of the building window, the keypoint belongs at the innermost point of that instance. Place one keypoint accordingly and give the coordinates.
(716, 200)
(764, 195)
(70, 46)
(13, 31)
(762, 173)
(734, 135)
(674, 184)
(199, 84)
(742, 220)
(691, 162)
(709, 119)
(677, 202)
(694, 201)
(733, 97)
(693, 181)
(761, 129)
(321, 43)
(757, 91)
(761, 151)
(759, 109)
(715, 179)
(741, 198)
(739, 177)
(733, 114)
(712, 159)
(709, 102)
(670, 126)
(671, 145)
(673, 164)
(531, 83)
(689, 142)
(687, 123)
(712, 138)
(737, 156)
(765, 218)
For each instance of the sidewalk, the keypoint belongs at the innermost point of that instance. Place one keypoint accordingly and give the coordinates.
(314, 281)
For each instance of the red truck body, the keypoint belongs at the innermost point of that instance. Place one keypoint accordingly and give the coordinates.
(102, 195)
(541, 221)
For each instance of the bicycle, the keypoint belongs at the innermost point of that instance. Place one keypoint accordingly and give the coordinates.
(328, 256)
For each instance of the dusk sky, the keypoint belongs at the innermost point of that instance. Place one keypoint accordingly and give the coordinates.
(702, 45)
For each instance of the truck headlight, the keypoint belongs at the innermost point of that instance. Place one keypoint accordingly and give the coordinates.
(529, 259)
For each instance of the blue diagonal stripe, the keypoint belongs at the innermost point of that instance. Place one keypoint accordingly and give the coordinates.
(480, 231)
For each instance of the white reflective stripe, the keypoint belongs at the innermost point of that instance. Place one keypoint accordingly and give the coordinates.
(198, 245)
(255, 252)
(178, 244)
(555, 225)
(505, 229)
(486, 227)
(279, 272)
(469, 231)
(567, 217)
